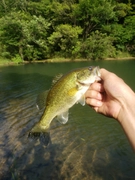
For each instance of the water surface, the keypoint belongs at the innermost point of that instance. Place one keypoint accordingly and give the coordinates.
(89, 147)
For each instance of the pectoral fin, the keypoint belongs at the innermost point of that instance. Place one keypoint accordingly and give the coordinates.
(63, 118)
(82, 100)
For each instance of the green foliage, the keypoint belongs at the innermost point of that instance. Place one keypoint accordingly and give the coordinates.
(98, 46)
(122, 10)
(65, 39)
(17, 59)
(24, 35)
(93, 14)
(129, 25)
(34, 38)
(39, 29)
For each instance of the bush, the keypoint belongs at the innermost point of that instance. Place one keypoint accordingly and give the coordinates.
(17, 59)
(98, 46)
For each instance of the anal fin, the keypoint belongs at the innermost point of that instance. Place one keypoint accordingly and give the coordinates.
(63, 118)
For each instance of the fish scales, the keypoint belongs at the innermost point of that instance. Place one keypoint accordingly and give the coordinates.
(67, 91)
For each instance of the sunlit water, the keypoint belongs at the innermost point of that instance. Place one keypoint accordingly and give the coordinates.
(89, 147)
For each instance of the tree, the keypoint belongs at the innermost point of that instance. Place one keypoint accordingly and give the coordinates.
(98, 46)
(92, 14)
(35, 34)
(122, 10)
(39, 29)
(24, 35)
(64, 40)
(62, 12)
(10, 32)
(129, 25)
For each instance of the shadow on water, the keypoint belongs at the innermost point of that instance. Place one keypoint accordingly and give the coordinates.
(86, 148)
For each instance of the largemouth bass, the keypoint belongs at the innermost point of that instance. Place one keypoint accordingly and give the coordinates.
(67, 91)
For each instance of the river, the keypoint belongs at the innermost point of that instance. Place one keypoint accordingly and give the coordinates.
(89, 147)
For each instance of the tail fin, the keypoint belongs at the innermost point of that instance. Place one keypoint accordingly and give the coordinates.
(37, 133)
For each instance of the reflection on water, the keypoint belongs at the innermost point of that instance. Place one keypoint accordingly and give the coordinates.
(89, 147)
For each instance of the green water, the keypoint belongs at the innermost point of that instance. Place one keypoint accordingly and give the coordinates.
(89, 147)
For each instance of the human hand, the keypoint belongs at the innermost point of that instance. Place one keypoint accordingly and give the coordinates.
(114, 98)
(109, 95)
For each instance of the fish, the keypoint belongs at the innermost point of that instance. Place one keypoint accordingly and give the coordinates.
(66, 91)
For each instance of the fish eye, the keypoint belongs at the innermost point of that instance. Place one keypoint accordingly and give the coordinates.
(90, 68)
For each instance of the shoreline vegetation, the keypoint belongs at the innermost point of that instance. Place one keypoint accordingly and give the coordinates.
(6, 62)
(43, 31)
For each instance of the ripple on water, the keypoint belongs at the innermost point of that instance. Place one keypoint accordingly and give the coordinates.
(88, 147)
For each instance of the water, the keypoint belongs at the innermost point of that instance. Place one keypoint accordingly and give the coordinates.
(89, 147)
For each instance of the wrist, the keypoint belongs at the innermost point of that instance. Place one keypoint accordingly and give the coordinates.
(127, 108)
(126, 118)
(127, 104)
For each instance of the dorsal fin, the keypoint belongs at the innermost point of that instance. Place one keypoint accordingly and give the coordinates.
(56, 78)
(41, 98)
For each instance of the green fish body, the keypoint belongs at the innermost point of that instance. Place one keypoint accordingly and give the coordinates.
(67, 91)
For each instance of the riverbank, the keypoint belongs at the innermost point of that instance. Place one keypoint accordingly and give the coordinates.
(77, 60)
(119, 58)
(7, 62)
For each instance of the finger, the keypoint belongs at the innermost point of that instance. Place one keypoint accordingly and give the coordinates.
(96, 108)
(94, 102)
(97, 87)
(93, 94)
(104, 73)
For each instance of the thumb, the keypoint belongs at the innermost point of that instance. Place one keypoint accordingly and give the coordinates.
(104, 73)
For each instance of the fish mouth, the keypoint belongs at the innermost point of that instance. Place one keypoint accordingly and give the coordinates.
(96, 76)
(96, 71)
